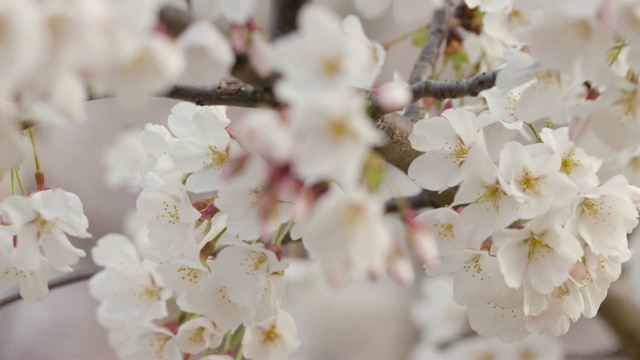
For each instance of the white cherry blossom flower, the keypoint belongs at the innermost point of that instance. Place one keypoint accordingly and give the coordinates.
(542, 253)
(33, 283)
(167, 210)
(197, 335)
(404, 11)
(273, 339)
(347, 234)
(208, 53)
(252, 277)
(128, 289)
(44, 219)
(564, 306)
(605, 216)
(153, 342)
(154, 67)
(253, 209)
(444, 225)
(490, 206)
(211, 299)
(123, 160)
(319, 57)
(353, 27)
(158, 142)
(446, 141)
(13, 146)
(534, 178)
(334, 138)
(23, 39)
(493, 308)
(576, 164)
(203, 146)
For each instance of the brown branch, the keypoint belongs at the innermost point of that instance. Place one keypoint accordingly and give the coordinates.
(424, 67)
(175, 20)
(67, 279)
(397, 149)
(282, 16)
(623, 316)
(421, 200)
(232, 92)
(440, 90)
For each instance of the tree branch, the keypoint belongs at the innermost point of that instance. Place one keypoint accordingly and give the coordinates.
(426, 63)
(397, 149)
(282, 16)
(623, 316)
(175, 20)
(230, 91)
(67, 279)
(440, 90)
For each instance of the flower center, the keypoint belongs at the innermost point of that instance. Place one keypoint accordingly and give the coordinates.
(529, 182)
(270, 335)
(537, 247)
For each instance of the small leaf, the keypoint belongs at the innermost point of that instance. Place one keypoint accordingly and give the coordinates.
(420, 37)
(373, 171)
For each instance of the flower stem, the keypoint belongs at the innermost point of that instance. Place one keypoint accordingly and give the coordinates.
(237, 337)
(35, 151)
(239, 355)
(284, 232)
(40, 179)
(17, 172)
(403, 37)
(535, 132)
(13, 182)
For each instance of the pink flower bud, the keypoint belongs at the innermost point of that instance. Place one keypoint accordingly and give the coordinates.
(393, 97)
(401, 270)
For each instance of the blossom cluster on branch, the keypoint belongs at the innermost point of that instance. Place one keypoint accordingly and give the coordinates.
(543, 165)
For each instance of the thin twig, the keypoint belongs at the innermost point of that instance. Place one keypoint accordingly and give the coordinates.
(67, 279)
(282, 16)
(424, 67)
(230, 92)
(440, 90)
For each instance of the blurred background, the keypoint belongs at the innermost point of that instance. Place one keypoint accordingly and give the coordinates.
(365, 320)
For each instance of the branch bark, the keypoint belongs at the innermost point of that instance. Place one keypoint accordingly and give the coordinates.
(175, 20)
(230, 91)
(397, 150)
(426, 63)
(282, 16)
(440, 90)
(67, 279)
(623, 316)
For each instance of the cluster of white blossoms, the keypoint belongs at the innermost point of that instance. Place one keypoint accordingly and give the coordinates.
(57, 54)
(33, 239)
(445, 331)
(537, 234)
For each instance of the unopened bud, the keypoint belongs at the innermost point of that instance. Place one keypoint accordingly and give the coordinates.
(393, 97)
(401, 270)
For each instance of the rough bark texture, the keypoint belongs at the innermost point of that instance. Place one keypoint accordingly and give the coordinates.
(231, 92)
(424, 67)
(397, 150)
